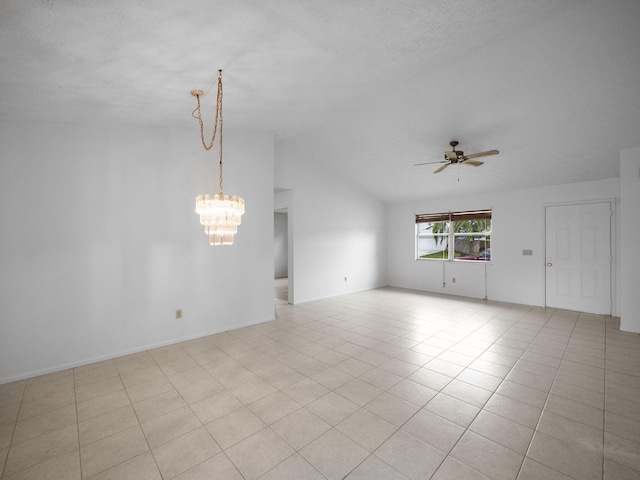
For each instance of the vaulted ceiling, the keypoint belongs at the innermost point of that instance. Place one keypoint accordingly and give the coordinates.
(365, 88)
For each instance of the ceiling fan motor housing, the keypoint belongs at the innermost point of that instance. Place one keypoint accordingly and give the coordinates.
(453, 156)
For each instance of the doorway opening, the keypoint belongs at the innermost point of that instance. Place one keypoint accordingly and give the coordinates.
(281, 255)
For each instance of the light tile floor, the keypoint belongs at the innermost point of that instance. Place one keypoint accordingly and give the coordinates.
(281, 290)
(384, 384)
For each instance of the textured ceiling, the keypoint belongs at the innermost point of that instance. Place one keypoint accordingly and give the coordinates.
(365, 88)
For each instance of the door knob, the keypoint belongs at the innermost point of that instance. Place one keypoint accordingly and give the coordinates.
(549, 264)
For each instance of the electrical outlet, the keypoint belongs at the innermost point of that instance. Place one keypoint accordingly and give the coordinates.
(527, 252)
(453, 280)
(345, 279)
(178, 314)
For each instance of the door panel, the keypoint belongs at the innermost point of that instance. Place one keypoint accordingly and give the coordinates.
(578, 257)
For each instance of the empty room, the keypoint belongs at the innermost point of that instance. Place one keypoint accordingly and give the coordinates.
(319, 240)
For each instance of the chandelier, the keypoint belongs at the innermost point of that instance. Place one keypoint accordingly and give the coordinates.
(219, 214)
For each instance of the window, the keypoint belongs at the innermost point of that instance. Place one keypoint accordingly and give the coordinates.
(468, 232)
(432, 236)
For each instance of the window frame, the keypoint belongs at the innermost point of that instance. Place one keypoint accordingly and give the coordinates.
(451, 235)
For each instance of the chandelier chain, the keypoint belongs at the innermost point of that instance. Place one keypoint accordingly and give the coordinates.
(217, 123)
(220, 104)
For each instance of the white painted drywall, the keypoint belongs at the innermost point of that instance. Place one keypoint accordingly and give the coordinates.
(101, 243)
(338, 230)
(629, 240)
(280, 242)
(518, 224)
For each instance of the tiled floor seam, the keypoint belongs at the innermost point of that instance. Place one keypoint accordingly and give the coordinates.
(222, 450)
(547, 400)
(481, 408)
(138, 418)
(396, 430)
(604, 405)
(75, 404)
(295, 452)
(15, 426)
(407, 421)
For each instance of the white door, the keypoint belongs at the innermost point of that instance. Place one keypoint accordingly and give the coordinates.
(578, 257)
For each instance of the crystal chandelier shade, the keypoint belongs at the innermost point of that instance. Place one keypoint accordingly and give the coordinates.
(219, 214)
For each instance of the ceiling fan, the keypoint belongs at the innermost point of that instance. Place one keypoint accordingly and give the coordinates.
(457, 156)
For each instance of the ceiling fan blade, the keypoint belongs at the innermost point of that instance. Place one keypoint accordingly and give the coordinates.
(481, 154)
(429, 163)
(442, 167)
(472, 163)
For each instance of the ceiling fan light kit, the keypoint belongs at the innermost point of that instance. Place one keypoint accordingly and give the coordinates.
(457, 156)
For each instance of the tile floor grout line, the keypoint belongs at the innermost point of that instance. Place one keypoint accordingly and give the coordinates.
(398, 428)
(13, 432)
(138, 418)
(222, 450)
(75, 405)
(604, 401)
(549, 394)
(542, 410)
(482, 408)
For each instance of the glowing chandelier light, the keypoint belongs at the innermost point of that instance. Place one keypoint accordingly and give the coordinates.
(219, 214)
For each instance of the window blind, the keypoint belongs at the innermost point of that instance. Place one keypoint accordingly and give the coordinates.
(453, 216)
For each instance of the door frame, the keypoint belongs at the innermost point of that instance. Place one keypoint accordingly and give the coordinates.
(613, 265)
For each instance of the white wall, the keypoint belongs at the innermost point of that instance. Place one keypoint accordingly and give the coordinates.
(101, 243)
(280, 241)
(518, 224)
(338, 230)
(629, 244)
